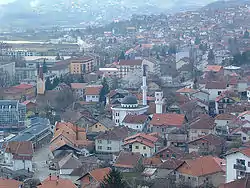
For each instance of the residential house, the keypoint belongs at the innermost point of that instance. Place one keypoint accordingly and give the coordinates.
(94, 178)
(30, 106)
(18, 155)
(224, 101)
(128, 161)
(55, 182)
(242, 183)
(126, 66)
(136, 122)
(161, 123)
(111, 141)
(165, 169)
(248, 94)
(177, 138)
(78, 89)
(238, 164)
(10, 183)
(216, 70)
(201, 95)
(241, 132)
(116, 96)
(152, 162)
(222, 121)
(68, 163)
(186, 91)
(102, 125)
(215, 88)
(201, 126)
(142, 143)
(92, 93)
(208, 144)
(169, 152)
(202, 170)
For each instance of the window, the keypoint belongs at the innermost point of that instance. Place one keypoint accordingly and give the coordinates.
(173, 155)
(99, 147)
(99, 141)
(145, 155)
(240, 161)
(144, 147)
(244, 138)
(162, 129)
(248, 164)
(109, 141)
(136, 147)
(167, 155)
(109, 148)
(95, 126)
(219, 92)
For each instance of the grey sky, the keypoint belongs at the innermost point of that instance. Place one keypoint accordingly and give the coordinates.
(6, 1)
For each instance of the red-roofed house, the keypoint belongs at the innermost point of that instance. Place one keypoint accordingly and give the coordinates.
(238, 164)
(142, 143)
(78, 89)
(55, 182)
(92, 93)
(202, 170)
(162, 122)
(136, 122)
(9, 183)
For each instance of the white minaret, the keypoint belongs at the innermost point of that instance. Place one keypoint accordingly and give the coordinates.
(144, 86)
(158, 101)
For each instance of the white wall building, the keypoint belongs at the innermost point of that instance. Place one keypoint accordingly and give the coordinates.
(129, 105)
(237, 164)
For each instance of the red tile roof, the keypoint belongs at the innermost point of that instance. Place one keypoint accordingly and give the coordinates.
(225, 117)
(55, 182)
(93, 90)
(186, 90)
(24, 86)
(214, 68)
(176, 120)
(202, 166)
(203, 122)
(135, 119)
(127, 159)
(19, 148)
(78, 85)
(9, 183)
(99, 174)
(216, 85)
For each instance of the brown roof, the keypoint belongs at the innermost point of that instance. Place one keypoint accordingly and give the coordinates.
(225, 117)
(171, 164)
(152, 161)
(203, 122)
(168, 120)
(78, 85)
(240, 183)
(118, 133)
(19, 148)
(214, 68)
(135, 119)
(202, 166)
(212, 139)
(56, 182)
(216, 85)
(69, 162)
(127, 159)
(9, 183)
(186, 90)
(98, 174)
(130, 62)
(172, 148)
(93, 90)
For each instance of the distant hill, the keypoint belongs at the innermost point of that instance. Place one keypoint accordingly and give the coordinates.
(225, 4)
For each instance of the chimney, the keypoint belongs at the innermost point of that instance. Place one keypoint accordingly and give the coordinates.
(77, 132)
(57, 180)
(50, 176)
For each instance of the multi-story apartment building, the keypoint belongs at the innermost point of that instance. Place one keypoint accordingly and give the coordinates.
(126, 66)
(12, 115)
(82, 65)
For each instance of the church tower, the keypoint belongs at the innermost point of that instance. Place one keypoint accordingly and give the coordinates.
(40, 81)
(158, 101)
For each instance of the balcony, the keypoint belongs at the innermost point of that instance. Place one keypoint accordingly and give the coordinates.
(240, 167)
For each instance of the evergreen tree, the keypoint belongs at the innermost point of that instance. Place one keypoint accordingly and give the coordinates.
(113, 180)
(197, 41)
(122, 56)
(48, 84)
(81, 79)
(211, 57)
(45, 68)
(61, 79)
(246, 34)
(58, 56)
(104, 91)
(172, 50)
(56, 81)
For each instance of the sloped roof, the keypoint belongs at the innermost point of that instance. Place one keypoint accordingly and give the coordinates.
(9, 183)
(135, 119)
(212, 139)
(19, 148)
(55, 182)
(127, 159)
(168, 120)
(118, 133)
(69, 162)
(203, 122)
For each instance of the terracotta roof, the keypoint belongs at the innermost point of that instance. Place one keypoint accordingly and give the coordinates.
(127, 159)
(55, 182)
(130, 62)
(245, 151)
(203, 122)
(135, 119)
(19, 148)
(186, 90)
(214, 68)
(24, 86)
(225, 117)
(9, 183)
(148, 137)
(140, 140)
(202, 166)
(240, 183)
(176, 120)
(98, 174)
(172, 148)
(93, 90)
(78, 85)
(216, 85)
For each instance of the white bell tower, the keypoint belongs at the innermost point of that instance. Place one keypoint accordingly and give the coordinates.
(158, 101)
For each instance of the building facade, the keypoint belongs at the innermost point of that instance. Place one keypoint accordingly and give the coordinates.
(82, 65)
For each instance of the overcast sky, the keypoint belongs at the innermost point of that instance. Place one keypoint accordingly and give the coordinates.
(6, 1)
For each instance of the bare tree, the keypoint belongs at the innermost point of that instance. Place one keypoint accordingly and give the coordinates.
(5, 78)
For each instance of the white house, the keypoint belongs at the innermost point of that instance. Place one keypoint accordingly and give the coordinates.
(129, 105)
(18, 155)
(244, 116)
(111, 141)
(78, 89)
(136, 122)
(92, 93)
(237, 164)
(248, 94)
(215, 89)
